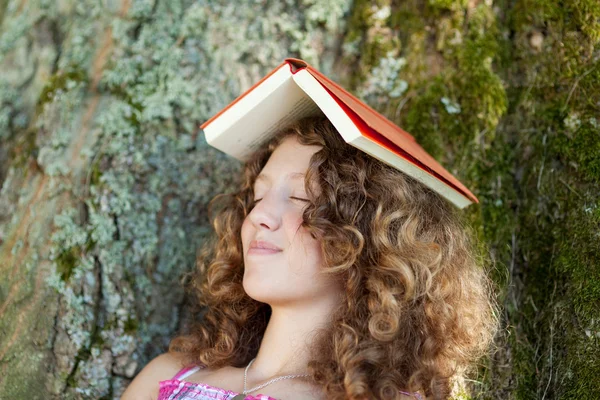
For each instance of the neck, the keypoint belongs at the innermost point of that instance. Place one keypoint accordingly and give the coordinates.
(284, 349)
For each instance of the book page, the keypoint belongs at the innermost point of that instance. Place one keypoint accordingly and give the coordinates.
(245, 120)
(304, 107)
(270, 106)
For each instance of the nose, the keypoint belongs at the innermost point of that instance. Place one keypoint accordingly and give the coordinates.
(267, 212)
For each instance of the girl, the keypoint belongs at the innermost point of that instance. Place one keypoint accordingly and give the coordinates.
(331, 276)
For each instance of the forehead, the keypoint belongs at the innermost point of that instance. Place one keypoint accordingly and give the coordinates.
(289, 162)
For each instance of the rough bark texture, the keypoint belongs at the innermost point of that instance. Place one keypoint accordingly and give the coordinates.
(105, 177)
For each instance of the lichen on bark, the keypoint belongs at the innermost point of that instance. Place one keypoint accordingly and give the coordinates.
(107, 177)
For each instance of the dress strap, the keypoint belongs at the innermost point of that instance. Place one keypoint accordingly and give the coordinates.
(415, 394)
(185, 372)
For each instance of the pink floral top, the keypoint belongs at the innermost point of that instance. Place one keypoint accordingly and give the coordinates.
(178, 389)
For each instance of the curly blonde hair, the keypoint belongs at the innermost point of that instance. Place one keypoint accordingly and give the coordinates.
(419, 307)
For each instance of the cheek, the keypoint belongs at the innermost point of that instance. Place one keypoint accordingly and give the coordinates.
(245, 231)
(297, 221)
(294, 229)
(305, 243)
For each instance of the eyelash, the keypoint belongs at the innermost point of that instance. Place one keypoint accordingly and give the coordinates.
(292, 197)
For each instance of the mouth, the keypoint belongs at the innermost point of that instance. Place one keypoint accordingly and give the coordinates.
(260, 251)
(263, 247)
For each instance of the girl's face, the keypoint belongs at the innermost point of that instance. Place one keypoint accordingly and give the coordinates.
(289, 275)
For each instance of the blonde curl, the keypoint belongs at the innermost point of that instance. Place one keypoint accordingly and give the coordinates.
(419, 307)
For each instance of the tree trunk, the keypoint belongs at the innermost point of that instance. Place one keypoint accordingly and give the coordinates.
(105, 176)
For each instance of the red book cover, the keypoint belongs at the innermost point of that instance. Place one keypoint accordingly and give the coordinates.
(371, 125)
(378, 128)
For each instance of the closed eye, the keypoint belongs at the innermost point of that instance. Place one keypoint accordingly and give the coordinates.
(292, 197)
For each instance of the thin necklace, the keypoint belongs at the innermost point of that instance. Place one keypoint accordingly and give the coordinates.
(268, 382)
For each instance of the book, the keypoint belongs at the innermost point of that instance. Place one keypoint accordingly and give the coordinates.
(294, 90)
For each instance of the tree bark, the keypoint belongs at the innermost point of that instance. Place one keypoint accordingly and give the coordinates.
(106, 178)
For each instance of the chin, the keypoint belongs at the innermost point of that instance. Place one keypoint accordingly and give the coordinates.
(260, 289)
(254, 286)
(260, 298)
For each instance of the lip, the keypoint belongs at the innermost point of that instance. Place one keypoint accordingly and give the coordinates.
(263, 245)
(257, 251)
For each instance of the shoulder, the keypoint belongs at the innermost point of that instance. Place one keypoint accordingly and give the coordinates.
(145, 385)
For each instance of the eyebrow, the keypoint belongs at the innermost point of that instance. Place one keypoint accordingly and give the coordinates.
(293, 175)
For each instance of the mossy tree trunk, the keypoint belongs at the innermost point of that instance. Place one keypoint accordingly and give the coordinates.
(105, 177)
(507, 94)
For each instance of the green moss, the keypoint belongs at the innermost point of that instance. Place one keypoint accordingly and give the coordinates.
(131, 325)
(121, 93)
(67, 261)
(579, 14)
(3, 5)
(507, 101)
(580, 145)
(373, 37)
(23, 148)
(578, 261)
(409, 18)
(586, 13)
(429, 131)
(555, 350)
(59, 81)
(453, 113)
(71, 381)
(582, 375)
(95, 173)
